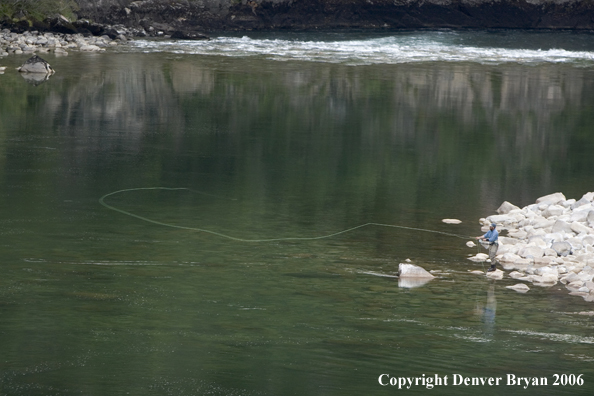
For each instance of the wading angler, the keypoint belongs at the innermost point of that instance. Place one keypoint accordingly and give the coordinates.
(490, 242)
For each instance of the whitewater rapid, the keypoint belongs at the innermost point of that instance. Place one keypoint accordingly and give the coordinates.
(412, 47)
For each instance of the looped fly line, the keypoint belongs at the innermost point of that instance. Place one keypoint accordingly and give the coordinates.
(102, 202)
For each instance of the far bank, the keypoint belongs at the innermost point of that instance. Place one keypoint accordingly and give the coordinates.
(160, 17)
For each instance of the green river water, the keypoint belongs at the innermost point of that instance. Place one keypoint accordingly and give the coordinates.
(95, 302)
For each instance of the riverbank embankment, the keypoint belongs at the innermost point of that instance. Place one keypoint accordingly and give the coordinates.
(549, 241)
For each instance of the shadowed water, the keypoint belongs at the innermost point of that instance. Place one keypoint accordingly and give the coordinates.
(97, 302)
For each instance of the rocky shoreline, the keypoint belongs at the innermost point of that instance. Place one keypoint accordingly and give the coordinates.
(81, 36)
(59, 43)
(547, 242)
(102, 23)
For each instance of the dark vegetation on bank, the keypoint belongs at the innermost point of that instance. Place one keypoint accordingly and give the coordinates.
(186, 18)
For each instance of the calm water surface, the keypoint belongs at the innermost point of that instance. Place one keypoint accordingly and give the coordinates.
(286, 136)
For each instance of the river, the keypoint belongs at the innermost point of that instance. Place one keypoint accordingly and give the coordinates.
(229, 168)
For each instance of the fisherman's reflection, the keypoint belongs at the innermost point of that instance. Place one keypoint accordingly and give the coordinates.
(487, 312)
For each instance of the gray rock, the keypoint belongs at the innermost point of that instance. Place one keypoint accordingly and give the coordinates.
(35, 64)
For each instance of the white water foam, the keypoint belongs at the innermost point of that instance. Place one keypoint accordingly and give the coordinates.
(569, 338)
(385, 50)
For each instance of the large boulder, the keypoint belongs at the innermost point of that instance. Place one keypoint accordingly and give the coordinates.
(35, 64)
(506, 207)
(413, 271)
(551, 199)
(531, 251)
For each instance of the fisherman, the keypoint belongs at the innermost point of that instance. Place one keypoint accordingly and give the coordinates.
(490, 239)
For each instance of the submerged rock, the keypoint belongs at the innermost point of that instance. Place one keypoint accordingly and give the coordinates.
(497, 274)
(519, 287)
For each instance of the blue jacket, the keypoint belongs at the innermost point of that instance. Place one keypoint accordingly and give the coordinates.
(492, 236)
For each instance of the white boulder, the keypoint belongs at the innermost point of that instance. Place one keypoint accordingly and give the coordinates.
(506, 207)
(451, 221)
(412, 271)
(516, 274)
(497, 274)
(551, 199)
(531, 252)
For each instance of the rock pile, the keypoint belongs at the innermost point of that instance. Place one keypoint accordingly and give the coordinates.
(549, 241)
(36, 42)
